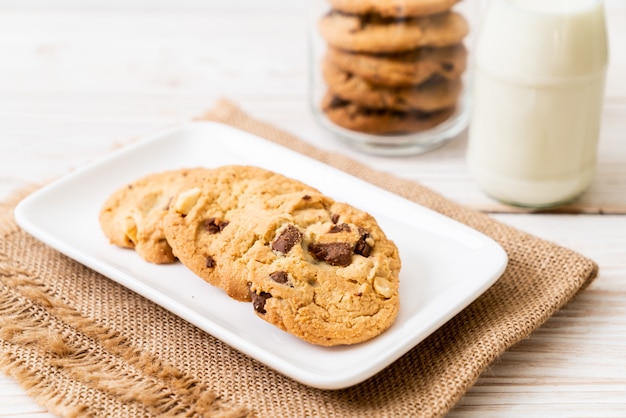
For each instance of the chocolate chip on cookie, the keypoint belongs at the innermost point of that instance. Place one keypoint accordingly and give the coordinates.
(258, 301)
(334, 253)
(339, 228)
(363, 247)
(289, 237)
(215, 225)
(280, 277)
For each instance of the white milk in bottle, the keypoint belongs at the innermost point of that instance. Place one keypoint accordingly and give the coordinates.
(538, 90)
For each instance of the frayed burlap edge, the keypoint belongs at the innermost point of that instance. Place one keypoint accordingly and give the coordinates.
(77, 368)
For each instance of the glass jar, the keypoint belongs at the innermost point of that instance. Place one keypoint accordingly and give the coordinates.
(537, 99)
(390, 78)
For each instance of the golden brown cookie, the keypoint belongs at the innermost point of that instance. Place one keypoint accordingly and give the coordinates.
(203, 225)
(393, 8)
(380, 121)
(429, 96)
(403, 69)
(377, 34)
(323, 271)
(132, 216)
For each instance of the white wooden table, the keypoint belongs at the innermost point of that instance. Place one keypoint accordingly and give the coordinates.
(79, 80)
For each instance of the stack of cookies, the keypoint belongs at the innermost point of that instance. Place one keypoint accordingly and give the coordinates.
(319, 269)
(392, 66)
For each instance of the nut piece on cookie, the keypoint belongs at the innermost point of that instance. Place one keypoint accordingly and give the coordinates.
(384, 287)
(186, 200)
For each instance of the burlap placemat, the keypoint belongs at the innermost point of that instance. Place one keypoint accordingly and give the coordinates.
(82, 345)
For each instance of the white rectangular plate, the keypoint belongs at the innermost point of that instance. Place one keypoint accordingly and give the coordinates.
(445, 265)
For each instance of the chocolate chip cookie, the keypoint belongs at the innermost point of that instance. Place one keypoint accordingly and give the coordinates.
(378, 34)
(431, 95)
(393, 8)
(382, 121)
(403, 69)
(132, 216)
(321, 270)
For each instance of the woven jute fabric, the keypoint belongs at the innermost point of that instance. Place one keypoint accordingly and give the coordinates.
(83, 345)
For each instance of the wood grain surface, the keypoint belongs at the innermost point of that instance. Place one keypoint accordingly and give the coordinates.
(77, 82)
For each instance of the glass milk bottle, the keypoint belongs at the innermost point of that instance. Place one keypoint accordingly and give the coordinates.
(538, 90)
